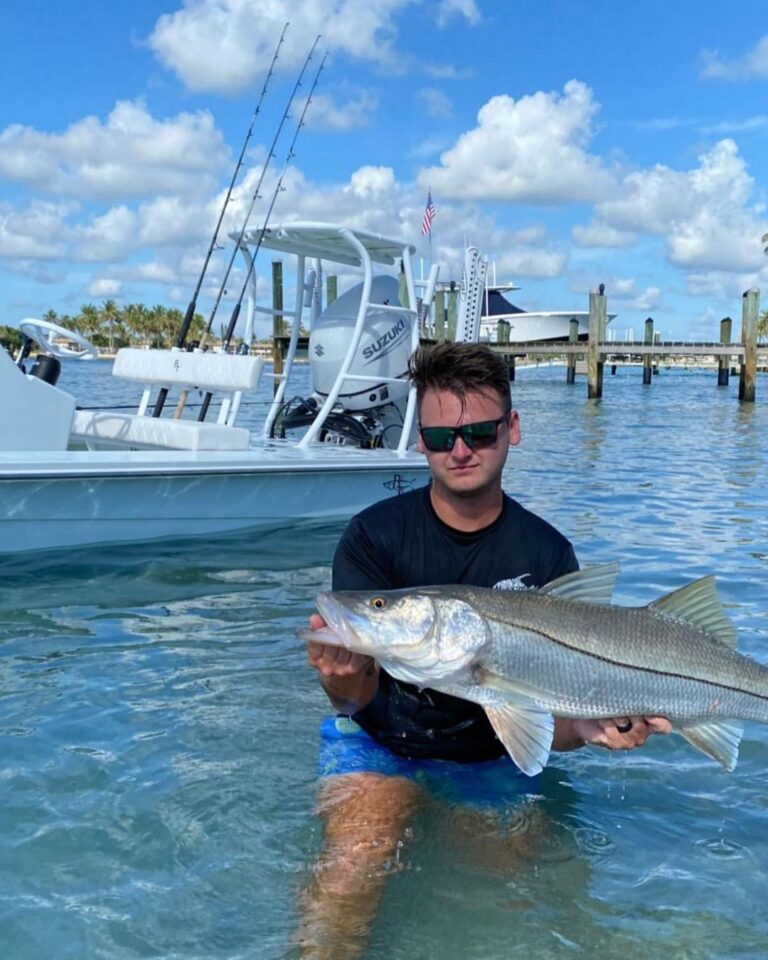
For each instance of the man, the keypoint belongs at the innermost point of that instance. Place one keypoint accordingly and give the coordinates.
(462, 528)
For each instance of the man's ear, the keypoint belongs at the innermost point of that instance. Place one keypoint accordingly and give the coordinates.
(514, 428)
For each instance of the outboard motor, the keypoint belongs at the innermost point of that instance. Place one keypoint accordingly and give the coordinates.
(369, 412)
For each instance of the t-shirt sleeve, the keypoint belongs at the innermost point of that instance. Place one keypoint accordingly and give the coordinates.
(359, 563)
(566, 562)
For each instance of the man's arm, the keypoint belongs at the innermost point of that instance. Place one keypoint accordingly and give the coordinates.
(349, 679)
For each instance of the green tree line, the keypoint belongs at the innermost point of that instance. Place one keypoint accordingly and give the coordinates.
(110, 327)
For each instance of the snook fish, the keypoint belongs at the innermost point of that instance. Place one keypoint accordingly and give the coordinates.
(564, 650)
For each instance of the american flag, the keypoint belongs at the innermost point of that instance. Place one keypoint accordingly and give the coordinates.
(429, 216)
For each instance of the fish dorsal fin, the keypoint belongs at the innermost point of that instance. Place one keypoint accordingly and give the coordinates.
(591, 585)
(698, 604)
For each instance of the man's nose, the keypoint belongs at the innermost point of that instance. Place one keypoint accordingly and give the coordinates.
(461, 448)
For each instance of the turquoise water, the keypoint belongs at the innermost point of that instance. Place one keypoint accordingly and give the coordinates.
(158, 726)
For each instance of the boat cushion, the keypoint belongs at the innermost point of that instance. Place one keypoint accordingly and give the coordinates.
(132, 430)
(177, 368)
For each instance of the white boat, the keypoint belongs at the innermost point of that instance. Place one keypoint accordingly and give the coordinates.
(73, 477)
(525, 326)
(521, 326)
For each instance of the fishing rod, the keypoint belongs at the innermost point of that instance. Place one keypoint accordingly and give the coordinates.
(252, 260)
(190, 314)
(256, 193)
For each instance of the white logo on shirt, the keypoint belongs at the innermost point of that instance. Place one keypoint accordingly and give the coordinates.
(516, 583)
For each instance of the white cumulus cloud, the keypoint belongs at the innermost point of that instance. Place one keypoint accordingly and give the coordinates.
(752, 65)
(597, 234)
(227, 45)
(704, 214)
(529, 150)
(129, 155)
(326, 113)
(37, 232)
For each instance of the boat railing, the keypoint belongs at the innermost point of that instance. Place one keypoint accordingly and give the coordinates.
(344, 245)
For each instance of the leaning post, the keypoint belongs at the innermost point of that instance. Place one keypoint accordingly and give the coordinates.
(597, 318)
(647, 359)
(724, 362)
(750, 309)
(573, 337)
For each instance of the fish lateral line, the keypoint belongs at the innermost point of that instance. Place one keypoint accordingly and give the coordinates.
(718, 685)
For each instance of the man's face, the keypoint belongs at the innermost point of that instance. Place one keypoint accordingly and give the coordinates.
(463, 471)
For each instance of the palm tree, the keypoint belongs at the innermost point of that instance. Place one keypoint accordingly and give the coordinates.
(762, 326)
(88, 322)
(136, 319)
(111, 316)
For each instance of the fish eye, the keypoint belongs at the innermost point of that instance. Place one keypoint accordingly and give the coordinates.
(378, 603)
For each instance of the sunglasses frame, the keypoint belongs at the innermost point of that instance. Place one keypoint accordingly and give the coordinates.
(465, 431)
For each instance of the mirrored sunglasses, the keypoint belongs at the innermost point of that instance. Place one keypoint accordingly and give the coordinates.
(477, 435)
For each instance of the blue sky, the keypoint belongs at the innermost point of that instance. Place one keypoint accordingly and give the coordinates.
(572, 142)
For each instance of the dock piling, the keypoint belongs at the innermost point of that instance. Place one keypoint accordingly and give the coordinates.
(453, 309)
(440, 318)
(573, 337)
(648, 340)
(723, 362)
(750, 310)
(597, 319)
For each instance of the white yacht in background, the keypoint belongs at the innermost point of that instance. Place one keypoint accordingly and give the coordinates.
(525, 326)
(72, 477)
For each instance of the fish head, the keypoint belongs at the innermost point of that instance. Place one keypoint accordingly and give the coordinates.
(417, 635)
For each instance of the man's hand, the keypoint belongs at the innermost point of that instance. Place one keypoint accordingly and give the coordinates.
(616, 733)
(350, 679)
(334, 661)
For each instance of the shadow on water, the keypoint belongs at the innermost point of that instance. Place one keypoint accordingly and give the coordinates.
(136, 574)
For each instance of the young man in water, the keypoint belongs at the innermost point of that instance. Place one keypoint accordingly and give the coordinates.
(462, 528)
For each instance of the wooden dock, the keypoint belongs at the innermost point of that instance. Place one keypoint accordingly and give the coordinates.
(747, 354)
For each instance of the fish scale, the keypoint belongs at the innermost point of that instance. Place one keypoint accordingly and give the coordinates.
(575, 684)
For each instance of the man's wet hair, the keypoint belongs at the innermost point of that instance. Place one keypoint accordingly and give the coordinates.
(460, 368)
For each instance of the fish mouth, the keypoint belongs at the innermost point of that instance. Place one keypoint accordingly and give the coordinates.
(337, 632)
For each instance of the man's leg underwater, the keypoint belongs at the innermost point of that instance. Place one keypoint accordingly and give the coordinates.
(365, 816)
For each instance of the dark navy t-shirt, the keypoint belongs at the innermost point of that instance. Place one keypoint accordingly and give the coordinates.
(400, 543)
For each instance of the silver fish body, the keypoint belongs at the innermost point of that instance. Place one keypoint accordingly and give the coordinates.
(563, 651)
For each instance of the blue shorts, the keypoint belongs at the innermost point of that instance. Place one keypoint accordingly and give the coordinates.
(347, 748)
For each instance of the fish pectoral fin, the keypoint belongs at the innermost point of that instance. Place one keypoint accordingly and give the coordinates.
(525, 730)
(719, 739)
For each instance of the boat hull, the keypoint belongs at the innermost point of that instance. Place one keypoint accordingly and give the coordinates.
(533, 327)
(75, 498)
